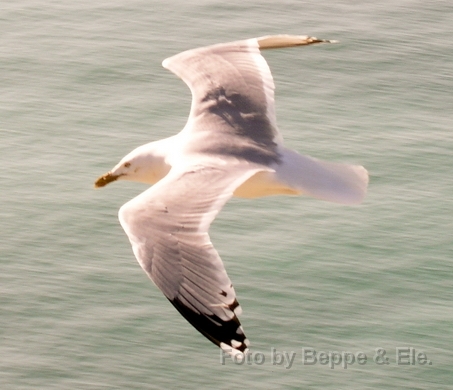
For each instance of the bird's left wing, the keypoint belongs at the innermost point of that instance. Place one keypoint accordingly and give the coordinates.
(168, 229)
(233, 96)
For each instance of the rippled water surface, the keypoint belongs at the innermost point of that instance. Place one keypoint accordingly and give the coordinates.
(81, 84)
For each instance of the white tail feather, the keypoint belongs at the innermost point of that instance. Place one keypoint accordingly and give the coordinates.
(334, 182)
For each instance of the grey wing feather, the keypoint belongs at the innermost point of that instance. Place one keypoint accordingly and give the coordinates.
(236, 69)
(233, 93)
(167, 226)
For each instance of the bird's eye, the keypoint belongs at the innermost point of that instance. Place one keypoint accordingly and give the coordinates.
(127, 165)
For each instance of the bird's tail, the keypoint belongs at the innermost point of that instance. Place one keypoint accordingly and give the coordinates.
(334, 182)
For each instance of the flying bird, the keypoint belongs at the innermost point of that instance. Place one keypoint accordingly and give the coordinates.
(230, 146)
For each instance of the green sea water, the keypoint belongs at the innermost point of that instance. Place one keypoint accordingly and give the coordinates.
(81, 84)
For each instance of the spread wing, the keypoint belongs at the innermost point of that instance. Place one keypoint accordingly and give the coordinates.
(167, 226)
(233, 92)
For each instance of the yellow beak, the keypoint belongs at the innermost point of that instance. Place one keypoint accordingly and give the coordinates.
(105, 179)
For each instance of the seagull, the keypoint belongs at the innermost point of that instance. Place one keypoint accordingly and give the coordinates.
(230, 146)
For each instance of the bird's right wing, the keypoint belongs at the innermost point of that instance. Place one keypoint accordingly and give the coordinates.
(168, 229)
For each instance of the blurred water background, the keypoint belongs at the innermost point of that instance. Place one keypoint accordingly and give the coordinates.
(81, 84)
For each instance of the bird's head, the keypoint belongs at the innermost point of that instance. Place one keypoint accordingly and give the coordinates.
(144, 164)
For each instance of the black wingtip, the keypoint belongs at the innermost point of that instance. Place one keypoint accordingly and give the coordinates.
(228, 335)
(281, 41)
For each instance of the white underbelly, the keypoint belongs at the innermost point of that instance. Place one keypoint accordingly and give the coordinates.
(263, 184)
